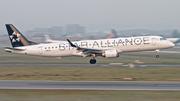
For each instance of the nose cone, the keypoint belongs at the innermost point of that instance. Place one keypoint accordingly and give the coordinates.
(171, 44)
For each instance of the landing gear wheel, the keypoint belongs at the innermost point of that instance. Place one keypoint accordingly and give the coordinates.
(157, 56)
(92, 61)
(157, 51)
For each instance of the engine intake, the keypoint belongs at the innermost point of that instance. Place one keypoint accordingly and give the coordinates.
(110, 53)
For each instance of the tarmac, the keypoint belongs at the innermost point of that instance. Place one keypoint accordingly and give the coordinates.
(89, 85)
(97, 64)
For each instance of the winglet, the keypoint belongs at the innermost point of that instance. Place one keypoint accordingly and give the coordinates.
(72, 45)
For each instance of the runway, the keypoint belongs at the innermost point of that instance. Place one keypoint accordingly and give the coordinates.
(90, 85)
(97, 64)
(164, 51)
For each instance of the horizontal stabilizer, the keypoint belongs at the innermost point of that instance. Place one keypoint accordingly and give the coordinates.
(8, 49)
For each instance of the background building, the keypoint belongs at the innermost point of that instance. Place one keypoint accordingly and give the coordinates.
(74, 29)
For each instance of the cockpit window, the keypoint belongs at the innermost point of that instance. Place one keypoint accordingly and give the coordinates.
(162, 39)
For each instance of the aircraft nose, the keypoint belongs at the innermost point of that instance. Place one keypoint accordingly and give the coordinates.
(171, 44)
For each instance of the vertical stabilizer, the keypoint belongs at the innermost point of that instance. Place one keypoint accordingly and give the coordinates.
(16, 38)
(112, 35)
(48, 39)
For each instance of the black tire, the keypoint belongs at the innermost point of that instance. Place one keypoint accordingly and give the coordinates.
(157, 56)
(92, 61)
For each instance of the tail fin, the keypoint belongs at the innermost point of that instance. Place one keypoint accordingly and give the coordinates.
(16, 38)
(47, 38)
(112, 35)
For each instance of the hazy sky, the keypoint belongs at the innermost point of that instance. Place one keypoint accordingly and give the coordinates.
(119, 14)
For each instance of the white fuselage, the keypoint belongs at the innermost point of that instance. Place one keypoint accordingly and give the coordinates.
(128, 44)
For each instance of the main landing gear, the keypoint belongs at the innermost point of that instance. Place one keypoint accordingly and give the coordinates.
(157, 56)
(93, 60)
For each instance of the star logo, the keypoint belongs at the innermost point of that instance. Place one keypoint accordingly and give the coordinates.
(14, 37)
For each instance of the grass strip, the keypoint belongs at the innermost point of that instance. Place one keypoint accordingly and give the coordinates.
(87, 95)
(89, 73)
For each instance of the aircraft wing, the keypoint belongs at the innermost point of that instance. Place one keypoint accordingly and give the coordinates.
(90, 50)
(86, 51)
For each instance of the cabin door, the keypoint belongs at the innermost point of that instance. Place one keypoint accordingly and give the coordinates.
(40, 49)
(153, 41)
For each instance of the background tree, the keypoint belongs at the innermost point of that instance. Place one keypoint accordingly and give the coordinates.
(175, 34)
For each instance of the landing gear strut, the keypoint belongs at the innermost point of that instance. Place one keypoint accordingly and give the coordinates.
(93, 60)
(157, 56)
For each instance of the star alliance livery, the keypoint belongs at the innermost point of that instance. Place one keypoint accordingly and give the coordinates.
(109, 48)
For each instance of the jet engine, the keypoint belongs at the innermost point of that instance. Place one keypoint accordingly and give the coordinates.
(110, 54)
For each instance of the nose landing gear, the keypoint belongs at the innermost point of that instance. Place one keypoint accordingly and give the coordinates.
(93, 60)
(157, 56)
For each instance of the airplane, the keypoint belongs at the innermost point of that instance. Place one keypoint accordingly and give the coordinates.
(112, 35)
(109, 48)
(48, 39)
(174, 40)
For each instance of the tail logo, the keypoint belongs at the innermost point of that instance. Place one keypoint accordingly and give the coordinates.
(14, 37)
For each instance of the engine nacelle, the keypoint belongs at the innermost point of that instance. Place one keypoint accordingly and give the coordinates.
(110, 53)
